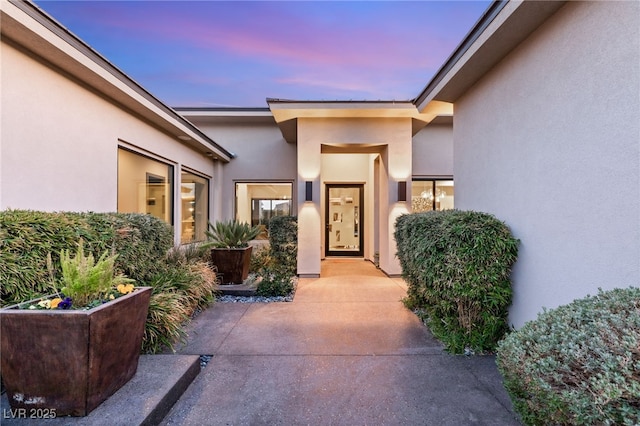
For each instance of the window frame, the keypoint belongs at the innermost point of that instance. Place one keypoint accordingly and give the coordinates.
(171, 175)
(208, 179)
(291, 199)
(434, 181)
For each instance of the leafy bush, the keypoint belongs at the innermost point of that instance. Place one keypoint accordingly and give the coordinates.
(577, 364)
(283, 242)
(26, 238)
(260, 258)
(457, 266)
(181, 281)
(275, 282)
(280, 263)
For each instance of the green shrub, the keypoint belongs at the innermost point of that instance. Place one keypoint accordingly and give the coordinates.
(275, 282)
(181, 281)
(260, 258)
(280, 263)
(283, 242)
(457, 266)
(577, 364)
(26, 238)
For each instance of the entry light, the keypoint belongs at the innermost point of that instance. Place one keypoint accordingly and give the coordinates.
(308, 193)
(402, 191)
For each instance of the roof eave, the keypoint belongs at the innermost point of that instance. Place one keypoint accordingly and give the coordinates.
(28, 26)
(504, 25)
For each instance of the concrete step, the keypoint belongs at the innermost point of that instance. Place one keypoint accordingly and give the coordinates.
(245, 290)
(145, 400)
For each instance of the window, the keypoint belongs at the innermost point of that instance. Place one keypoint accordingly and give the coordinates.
(144, 186)
(194, 198)
(257, 203)
(431, 194)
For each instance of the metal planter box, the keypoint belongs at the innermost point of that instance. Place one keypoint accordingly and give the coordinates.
(71, 361)
(232, 263)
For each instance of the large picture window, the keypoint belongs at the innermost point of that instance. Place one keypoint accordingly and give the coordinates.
(145, 185)
(431, 194)
(194, 198)
(257, 203)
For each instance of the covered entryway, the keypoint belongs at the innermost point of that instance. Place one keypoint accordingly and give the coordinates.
(344, 231)
(335, 143)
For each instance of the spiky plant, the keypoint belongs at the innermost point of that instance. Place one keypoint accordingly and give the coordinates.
(230, 234)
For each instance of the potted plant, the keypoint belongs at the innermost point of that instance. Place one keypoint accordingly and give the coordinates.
(230, 250)
(68, 352)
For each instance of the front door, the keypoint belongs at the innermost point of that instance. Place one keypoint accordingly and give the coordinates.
(344, 213)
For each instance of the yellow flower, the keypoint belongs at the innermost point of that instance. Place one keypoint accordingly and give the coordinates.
(45, 304)
(111, 297)
(125, 288)
(54, 303)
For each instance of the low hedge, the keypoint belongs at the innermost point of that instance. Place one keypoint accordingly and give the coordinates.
(142, 242)
(280, 262)
(457, 266)
(578, 364)
(283, 242)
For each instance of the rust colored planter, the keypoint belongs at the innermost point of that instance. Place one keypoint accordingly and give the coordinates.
(71, 361)
(233, 264)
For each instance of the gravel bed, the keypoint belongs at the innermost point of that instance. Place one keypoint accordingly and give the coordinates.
(253, 299)
(204, 360)
(258, 299)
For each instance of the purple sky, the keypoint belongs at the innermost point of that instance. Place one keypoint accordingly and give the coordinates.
(236, 54)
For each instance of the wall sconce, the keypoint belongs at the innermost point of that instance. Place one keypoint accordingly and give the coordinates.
(402, 191)
(308, 191)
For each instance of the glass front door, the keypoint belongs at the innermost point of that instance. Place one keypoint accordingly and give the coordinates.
(344, 230)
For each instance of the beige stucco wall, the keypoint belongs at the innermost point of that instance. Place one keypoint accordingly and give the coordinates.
(59, 141)
(548, 141)
(433, 151)
(262, 154)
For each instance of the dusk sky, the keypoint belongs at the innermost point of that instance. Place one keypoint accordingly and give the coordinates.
(237, 54)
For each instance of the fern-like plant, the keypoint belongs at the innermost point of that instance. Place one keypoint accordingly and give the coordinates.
(230, 234)
(86, 280)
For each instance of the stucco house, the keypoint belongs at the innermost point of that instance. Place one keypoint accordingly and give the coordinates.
(535, 117)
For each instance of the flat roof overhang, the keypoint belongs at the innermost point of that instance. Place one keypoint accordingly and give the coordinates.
(226, 115)
(287, 112)
(504, 25)
(27, 27)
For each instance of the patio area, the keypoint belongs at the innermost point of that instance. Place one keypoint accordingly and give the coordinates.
(344, 352)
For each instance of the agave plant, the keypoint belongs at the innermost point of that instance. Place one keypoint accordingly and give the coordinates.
(230, 234)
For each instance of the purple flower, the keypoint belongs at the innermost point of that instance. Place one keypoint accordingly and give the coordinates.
(65, 304)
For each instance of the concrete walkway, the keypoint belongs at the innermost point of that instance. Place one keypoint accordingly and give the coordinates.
(344, 352)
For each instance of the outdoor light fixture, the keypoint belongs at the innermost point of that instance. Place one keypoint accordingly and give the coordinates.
(308, 193)
(402, 191)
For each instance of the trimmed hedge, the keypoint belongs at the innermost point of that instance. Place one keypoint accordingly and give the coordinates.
(142, 242)
(457, 266)
(283, 242)
(280, 264)
(577, 364)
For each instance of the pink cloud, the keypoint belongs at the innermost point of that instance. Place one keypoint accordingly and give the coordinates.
(270, 32)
